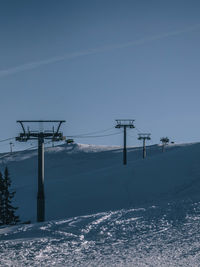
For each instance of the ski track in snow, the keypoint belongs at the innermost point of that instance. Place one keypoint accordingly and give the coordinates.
(154, 236)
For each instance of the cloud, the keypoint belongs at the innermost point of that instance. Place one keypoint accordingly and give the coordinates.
(36, 64)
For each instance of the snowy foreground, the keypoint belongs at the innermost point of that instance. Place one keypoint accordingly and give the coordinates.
(154, 236)
(101, 213)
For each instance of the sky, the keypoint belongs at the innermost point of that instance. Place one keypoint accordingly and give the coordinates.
(93, 61)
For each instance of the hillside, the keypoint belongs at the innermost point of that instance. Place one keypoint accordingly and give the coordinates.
(86, 179)
(143, 214)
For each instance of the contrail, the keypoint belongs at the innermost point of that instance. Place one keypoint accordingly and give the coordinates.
(36, 64)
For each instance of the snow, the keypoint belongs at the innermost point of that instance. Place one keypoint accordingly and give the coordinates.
(101, 213)
(133, 237)
(85, 179)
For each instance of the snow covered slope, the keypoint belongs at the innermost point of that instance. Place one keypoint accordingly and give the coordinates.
(144, 214)
(157, 236)
(86, 179)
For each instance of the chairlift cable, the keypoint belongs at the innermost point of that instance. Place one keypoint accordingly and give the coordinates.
(94, 136)
(90, 133)
(4, 140)
(16, 153)
(137, 130)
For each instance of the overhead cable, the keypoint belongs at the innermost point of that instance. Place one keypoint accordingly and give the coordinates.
(93, 136)
(4, 140)
(90, 133)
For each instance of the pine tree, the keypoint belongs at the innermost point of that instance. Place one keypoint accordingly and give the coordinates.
(1, 199)
(8, 210)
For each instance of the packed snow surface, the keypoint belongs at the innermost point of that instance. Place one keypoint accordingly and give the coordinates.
(101, 213)
(165, 235)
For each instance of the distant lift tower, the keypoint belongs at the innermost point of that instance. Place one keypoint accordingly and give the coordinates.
(124, 124)
(144, 137)
(11, 147)
(54, 135)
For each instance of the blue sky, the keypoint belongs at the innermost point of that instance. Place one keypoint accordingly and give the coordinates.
(90, 62)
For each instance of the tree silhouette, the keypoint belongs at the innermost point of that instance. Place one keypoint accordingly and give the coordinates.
(165, 141)
(1, 199)
(7, 211)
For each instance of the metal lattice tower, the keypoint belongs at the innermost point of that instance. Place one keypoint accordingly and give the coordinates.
(40, 135)
(144, 137)
(124, 123)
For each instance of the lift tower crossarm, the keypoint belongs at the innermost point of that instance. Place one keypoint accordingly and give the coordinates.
(40, 135)
(124, 123)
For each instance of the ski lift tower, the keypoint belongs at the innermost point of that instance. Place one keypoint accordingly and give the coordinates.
(144, 137)
(40, 135)
(124, 124)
